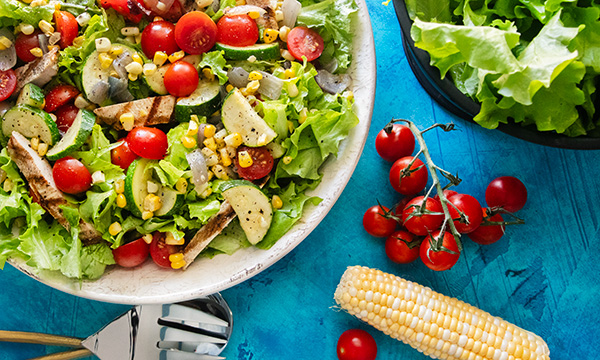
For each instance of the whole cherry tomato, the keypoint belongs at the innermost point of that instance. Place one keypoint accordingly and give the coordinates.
(507, 192)
(71, 176)
(237, 30)
(181, 79)
(402, 247)
(122, 155)
(25, 43)
(395, 142)
(487, 234)
(470, 209)
(356, 344)
(377, 222)
(423, 222)
(160, 251)
(147, 142)
(159, 36)
(447, 254)
(407, 178)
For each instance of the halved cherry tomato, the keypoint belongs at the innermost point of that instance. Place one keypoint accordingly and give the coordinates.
(59, 96)
(440, 260)
(302, 41)
(415, 179)
(159, 251)
(356, 344)
(181, 79)
(471, 210)
(422, 224)
(159, 36)
(147, 142)
(8, 83)
(262, 163)
(24, 44)
(237, 30)
(395, 144)
(65, 115)
(131, 254)
(132, 10)
(377, 222)
(71, 176)
(402, 247)
(488, 234)
(122, 155)
(67, 26)
(195, 32)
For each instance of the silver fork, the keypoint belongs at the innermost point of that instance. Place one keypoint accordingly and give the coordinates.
(193, 330)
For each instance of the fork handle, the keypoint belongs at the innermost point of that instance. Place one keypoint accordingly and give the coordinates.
(38, 338)
(66, 355)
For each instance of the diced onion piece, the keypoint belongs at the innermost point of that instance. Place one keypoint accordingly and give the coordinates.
(333, 84)
(99, 92)
(43, 40)
(200, 135)
(270, 86)
(238, 77)
(245, 9)
(8, 57)
(121, 62)
(291, 9)
(54, 38)
(199, 170)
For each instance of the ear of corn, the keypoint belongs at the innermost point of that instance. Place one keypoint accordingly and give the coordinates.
(436, 325)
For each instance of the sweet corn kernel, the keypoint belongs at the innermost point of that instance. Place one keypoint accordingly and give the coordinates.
(157, 18)
(255, 75)
(278, 15)
(252, 87)
(270, 35)
(254, 14)
(127, 120)
(206, 193)
(287, 55)
(234, 140)
(291, 126)
(148, 238)
(132, 77)
(35, 142)
(171, 240)
(210, 143)
(302, 116)
(283, 33)
(2, 175)
(78, 41)
(220, 172)
(192, 127)
(5, 43)
(225, 158)
(244, 159)
(189, 142)
(229, 87)
(114, 229)
(137, 38)
(160, 57)
(262, 140)
(7, 185)
(147, 215)
(134, 68)
(251, 58)
(105, 60)
(178, 265)
(176, 56)
(98, 177)
(208, 74)
(36, 3)
(209, 130)
(349, 95)
(289, 73)
(115, 51)
(120, 186)
(212, 160)
(175, 257)
(103, 44)
(27, 29)
(220, 136)
(46, 27)
(130, 31)
(57, 5)
(52, 47)
(240, 2)
(83, 19)
(181, 185)
(152, 203)
(287, 159)
(152, 187)
(121, 201)
(37, 52)
(42, 149)
(276, 202)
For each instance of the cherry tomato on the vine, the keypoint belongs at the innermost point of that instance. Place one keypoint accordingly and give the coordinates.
(439, 260)
(159, 36)
(8, 83)
(262, 163)
(447, 193)
(377, 222)
(237, 30)
(426, 221)
(356, 344)
(131, 254)
(415, 179)
(507, 192)
(71, 176)
(67, 26)
(402, 247)
(181, 79)
(65, 115)
(24, 44)
(60, 95)
(195, 32)
(302, 41)
(147, 142)
(396, 144)
(160, 251)
(122, 155)
(488, 234)
(470, 209)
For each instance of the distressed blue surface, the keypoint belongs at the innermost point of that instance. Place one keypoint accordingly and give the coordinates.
(543, 276)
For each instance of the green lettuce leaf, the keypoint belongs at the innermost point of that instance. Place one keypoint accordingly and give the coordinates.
(217, 63)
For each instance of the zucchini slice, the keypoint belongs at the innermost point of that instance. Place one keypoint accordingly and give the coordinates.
(204, 101)
(32, 95)
(253, 209)
(77, 134)
(30, 122)
(239, 117)
(260, 51)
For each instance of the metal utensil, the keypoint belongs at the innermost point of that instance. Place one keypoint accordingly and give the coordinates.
(193, 330)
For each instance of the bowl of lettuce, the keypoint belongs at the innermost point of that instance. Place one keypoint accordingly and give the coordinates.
(526, 68)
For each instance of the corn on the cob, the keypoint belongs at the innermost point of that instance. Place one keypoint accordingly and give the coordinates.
(436, 325)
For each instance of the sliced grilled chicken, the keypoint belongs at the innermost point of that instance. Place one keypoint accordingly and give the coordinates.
(267, 20)
(38, 173)
(149, 111)
(39, 72)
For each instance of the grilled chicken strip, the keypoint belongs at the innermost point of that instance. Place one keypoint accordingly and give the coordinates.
(149, 111)
(39, 72)
(38, 173)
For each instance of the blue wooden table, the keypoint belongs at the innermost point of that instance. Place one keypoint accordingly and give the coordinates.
(542, 276)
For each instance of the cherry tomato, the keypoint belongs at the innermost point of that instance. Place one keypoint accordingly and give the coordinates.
(8, 83)
(195, 32)
(395, 144)
(302, 41)
(122, 155)
(67, 26)
(488, 234)
(131, 254)
(159, 36)
(447, 193)
(65, 115)
(71, 176)
(356, 344)
(237, 30)
(159, 251)
(422, 224)
(60, 95)
(262, 163)
(377, 223)
(471, 210)
(415, 180)
(147, 142)
(132, 10)
(402, 247)
(181, 79)
(439, 260)
(507, 192)
(24, 44)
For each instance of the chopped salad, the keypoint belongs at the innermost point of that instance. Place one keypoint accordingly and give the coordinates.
(164, 128)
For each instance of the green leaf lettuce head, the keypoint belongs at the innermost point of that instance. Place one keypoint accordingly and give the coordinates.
(531, 62)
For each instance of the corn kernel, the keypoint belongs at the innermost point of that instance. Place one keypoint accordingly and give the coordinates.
(152, 187)
(302, 116)
(36, 3)
(212, 159)
(171, 240)
(127, 120)
(121, 201)
(148, 238)
(178, 264)
(5, 43)
(210, 143)
(120, 186)
(78, 41)
(287, 159)
(278, 15)
(234, 140)
(98, 177)
(46, 27)
(37, 52)
(103, 44)
(252, 87)
(225, 158)
(7, 185)
(240, 2)
(130, 31)
(134, 68)
(176, 56)
(209, 130)
(192, 127)
(114, 229)
(349, 95)
(83, 19)
(291, 126)
(160, 57)
(27, 29)
(208, 74)
(147, 215)
(157, 18)
(254, 14)
(283, 33)
(229, 87)
(137, 38)
(220, 172)
(251, 58)
(35, 142)
(255, 75)
(105, 60)
(52, 47)
(132, 77)
(181, 185)
(42, 149)
(244, 159)
(152, 203)
(276, 202)
(289, 73)
(287, 55)
(262, 140)
(81, 102)
(189, 142)
(115, 51)
(206, 193)
(270, 35)
(57, 5)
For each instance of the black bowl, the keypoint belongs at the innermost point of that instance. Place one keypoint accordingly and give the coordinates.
(449, 97)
